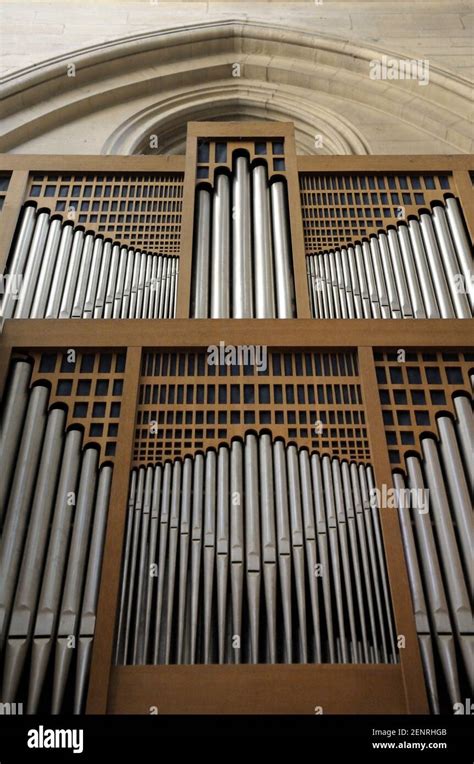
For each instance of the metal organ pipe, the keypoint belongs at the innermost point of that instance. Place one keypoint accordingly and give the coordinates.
(262, 245)
(202, 255)
(450, 262)
(282, 251)
(220, 267)
(32, 266)
(416, 270)
(242, 277)
(249, 509)
(463, 250)
(15, 267)
(436, 265)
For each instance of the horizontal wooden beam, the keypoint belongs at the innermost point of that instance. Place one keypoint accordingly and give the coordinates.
(291, 333)
(386, 163)
(91, 163)
(257, 689)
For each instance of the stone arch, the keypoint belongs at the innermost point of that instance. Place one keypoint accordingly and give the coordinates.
(160, 80)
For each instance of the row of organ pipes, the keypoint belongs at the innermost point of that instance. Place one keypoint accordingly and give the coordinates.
(438, 547)
(422, 269)
(242, 263)
(257, 552)
(54, 497)
(57, 270)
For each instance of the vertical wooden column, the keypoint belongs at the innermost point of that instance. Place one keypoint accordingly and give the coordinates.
(5, 355)
(187, 228)
(110, 577)
(296, 226)
(410, 659)
(465, 190)
(10, 213)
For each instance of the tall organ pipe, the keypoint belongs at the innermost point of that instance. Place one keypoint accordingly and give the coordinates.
(16, 521)
(32, 265)
(262, 245)
(423, 268)
(48, 263)
(15, 267)
(463, 248)
(242, 277)
(202, 255)
(282, 251)
(220, 266)
(59, 276)
(16, 401)
(436, 265)
(65, 308)
(450, 262)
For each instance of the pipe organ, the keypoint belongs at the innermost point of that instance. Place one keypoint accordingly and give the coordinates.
(237, 490)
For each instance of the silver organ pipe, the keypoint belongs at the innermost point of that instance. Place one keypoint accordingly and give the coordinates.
(267, 523)
(50, 552)
(422, 269)
(242, 275)
(220, 262)
(58, 271)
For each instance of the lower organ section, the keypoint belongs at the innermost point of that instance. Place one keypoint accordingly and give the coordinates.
(256, 552)
(435, 511)
(53, 513)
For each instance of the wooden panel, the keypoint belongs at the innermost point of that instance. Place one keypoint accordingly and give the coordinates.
(262, 689)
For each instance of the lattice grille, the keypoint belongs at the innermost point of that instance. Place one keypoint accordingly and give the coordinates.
(337, 209)
(143, 211)
(186, 404)
(412, 392)
(213, 154)
(91, 388)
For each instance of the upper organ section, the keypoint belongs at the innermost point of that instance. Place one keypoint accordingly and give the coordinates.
(240, 227)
